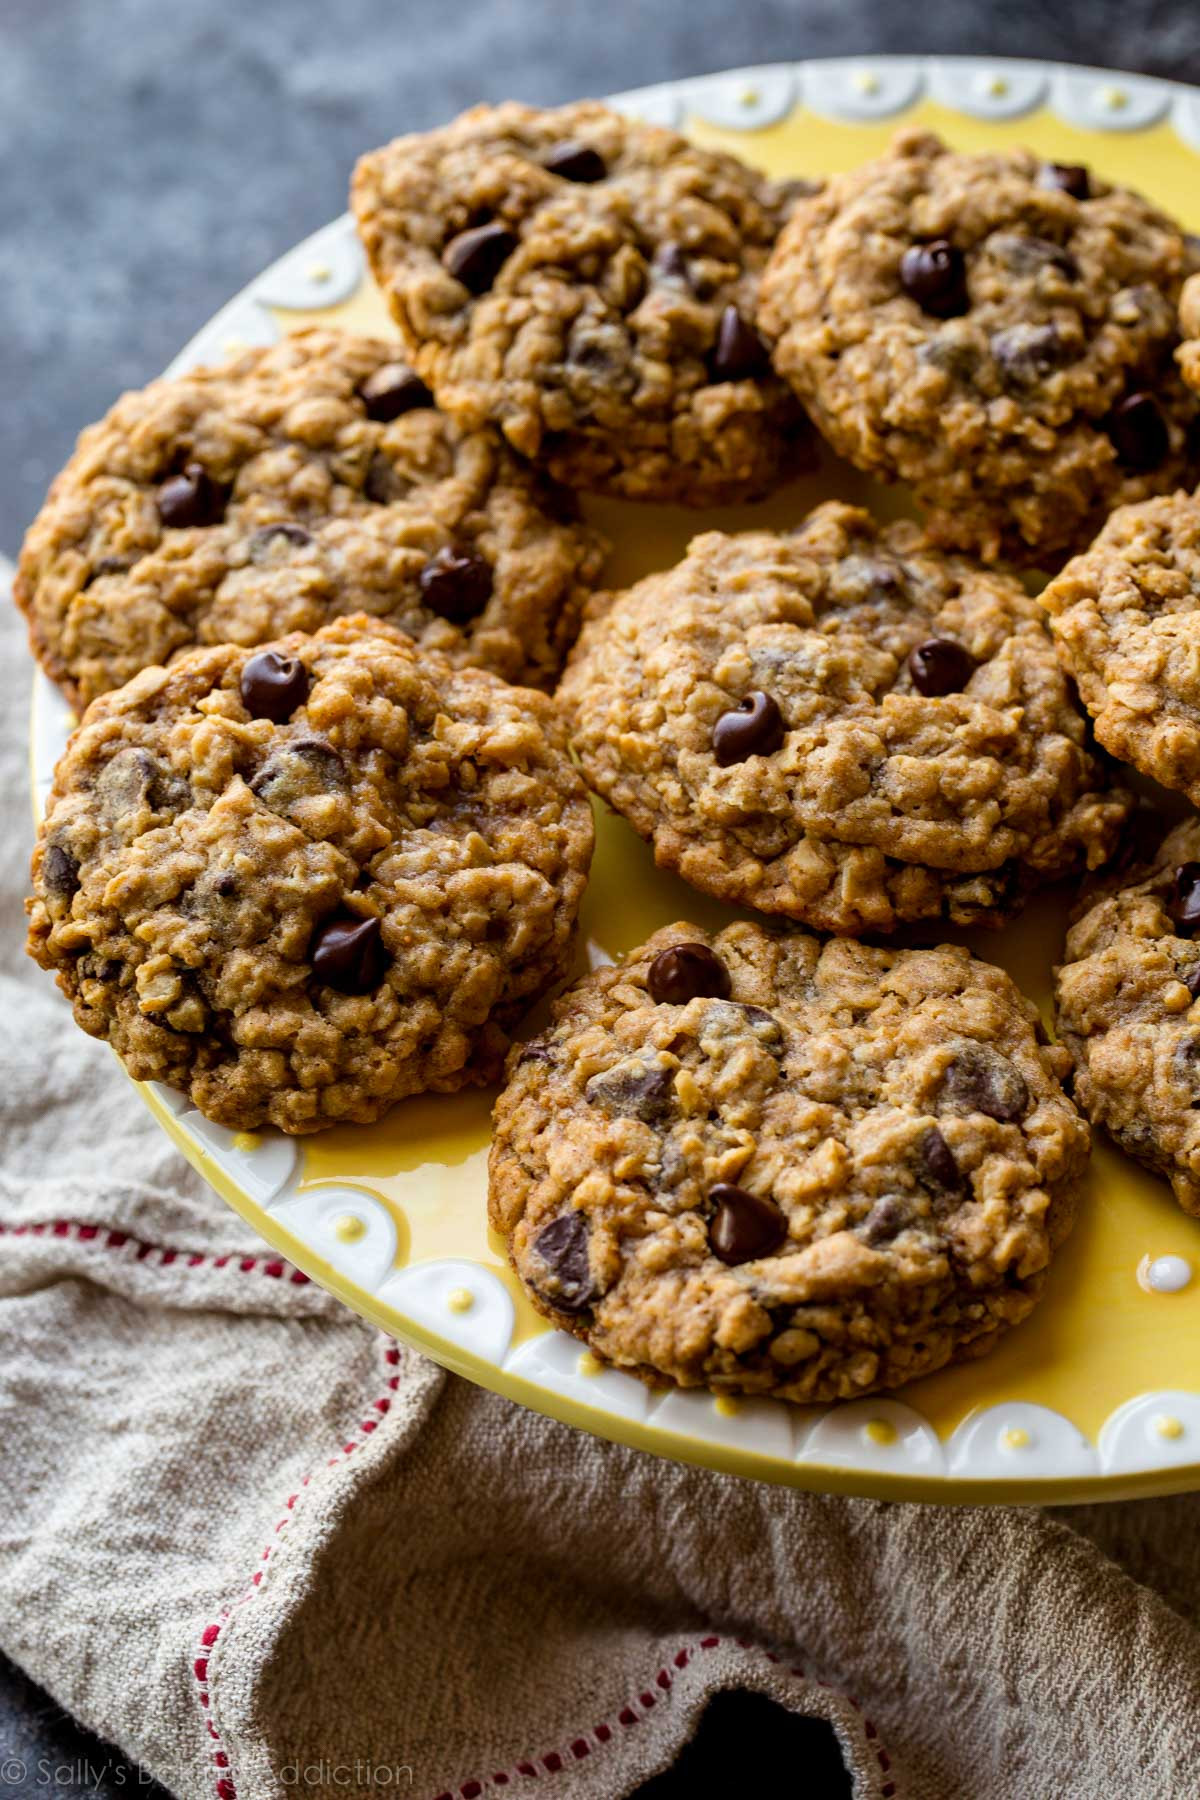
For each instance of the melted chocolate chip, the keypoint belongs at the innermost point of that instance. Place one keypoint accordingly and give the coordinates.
(886, 1219)
(1027, 353)
(1187, 1060)
(192, 498)
(634, 1089)
(686, 972)
(477, 256)
(273, 686)
(670, 264)
(1138, 432)
(1072, 178)
(935, 276)
(60, 872)
(392, 390)
(346, 953)
(133, 779)
(1022, 254)
(744, 1225)
(1184, 904)
(381, 483)
(937, 1167)
(740, 352)
(979, 1079)
(563, 1247)
(754, 728)
(456, 584)
(940, 666)
(1191, 982)
(303, 769)
(268, 537)
(575, 162)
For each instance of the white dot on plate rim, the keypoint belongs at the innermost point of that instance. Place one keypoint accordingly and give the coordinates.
(1164, 1274)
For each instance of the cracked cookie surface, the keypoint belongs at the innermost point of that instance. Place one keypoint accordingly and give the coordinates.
(290, 486)
(995, 330)
(767, 1165)
(1127, 1011)
(301, 883)
(587, 283)
(842, 726)
(1126, 617)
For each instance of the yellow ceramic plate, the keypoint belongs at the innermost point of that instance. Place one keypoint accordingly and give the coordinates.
(1099, 1394)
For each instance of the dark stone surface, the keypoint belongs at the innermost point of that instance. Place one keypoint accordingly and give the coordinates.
(155, 157)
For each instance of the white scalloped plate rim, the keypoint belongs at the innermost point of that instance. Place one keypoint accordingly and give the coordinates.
(878, 1447)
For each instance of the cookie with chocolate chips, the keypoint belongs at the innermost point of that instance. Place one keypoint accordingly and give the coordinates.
(770, 1166)
(290, 486)
(995, 330)
(1127, 999)
(1125, 616)
(588, 284)
(843, 726)
(303, 881)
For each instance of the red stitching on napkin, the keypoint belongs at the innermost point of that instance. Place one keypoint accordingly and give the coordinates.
(553, 1761)
(160, 1254)
(225, 1786)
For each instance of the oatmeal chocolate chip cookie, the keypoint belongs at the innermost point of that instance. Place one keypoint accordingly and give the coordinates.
(304, 881)
(1126, 618)
(588, 283)
(1126, 1004)
(290, 486)
(841, 725)
(770, 1166)
(997, 331)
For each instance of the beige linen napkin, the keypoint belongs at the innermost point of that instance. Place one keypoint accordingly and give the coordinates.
(265, 1550)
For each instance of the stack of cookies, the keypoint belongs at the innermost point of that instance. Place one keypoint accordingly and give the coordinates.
(321, 837)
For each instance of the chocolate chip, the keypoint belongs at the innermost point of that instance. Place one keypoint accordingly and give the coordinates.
(133, 779)
(273, 686)
(392, 390)
(303, 769)
(940, 666)
(935, 276)
(1187, 1060)
(744, 1225)
(381, 483)
(633, 1089)
(265, 539)
(686, 972)
(192, 498)
(477, 256)
(740, 352)
(886, 1219)
(1138, 432)
(575, 162)
(346, 953)
(1184, 905)
(754, 728)
(226, 886)
(1027, 353)
(534, 1052)
(563, 1247)
(670, 263)
(1023, 254)
(108, 565)
(60, 872)
(1072, 178)
(980, 1080)
(456, 584)
(1191, 982)
(938, 1168)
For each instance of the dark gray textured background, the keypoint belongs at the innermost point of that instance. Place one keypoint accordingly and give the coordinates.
(154, 155)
